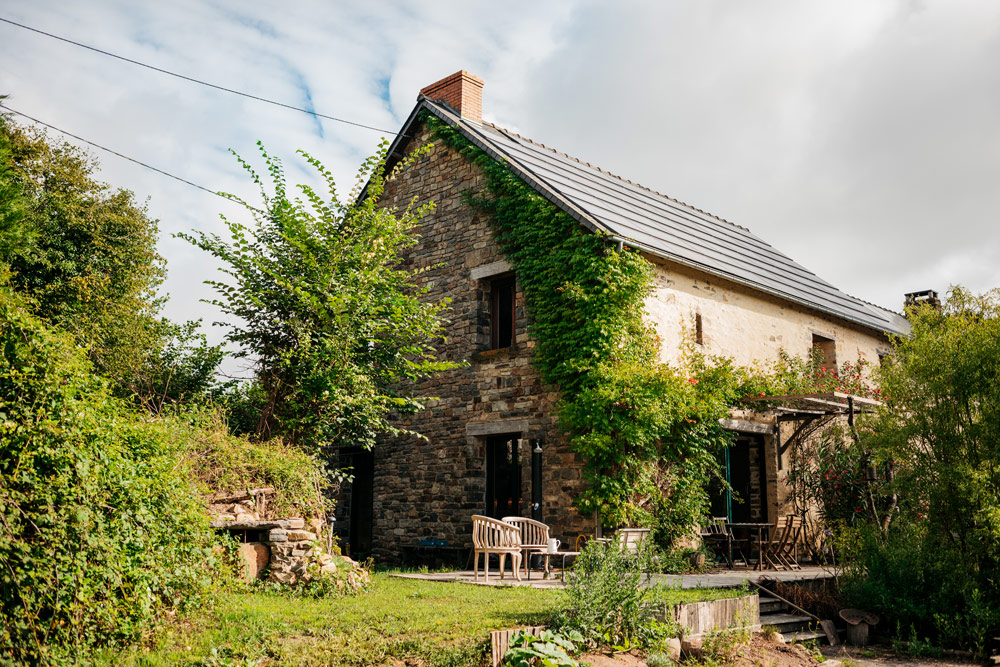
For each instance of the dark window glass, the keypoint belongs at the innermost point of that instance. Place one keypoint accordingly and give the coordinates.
(502, 322)
(503, 476)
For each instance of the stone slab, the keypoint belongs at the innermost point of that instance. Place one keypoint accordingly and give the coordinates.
(256, 557)
(496, 427)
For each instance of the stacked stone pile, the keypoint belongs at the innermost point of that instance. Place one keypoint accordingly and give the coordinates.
(286, 553)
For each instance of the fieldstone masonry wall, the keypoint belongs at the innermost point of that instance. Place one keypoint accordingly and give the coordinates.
(429, 489)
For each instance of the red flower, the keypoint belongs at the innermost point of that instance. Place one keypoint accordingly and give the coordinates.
(692, 381)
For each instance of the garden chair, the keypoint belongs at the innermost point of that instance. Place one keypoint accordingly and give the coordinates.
(782, 550)
(492, 536)
(719, 538)
(631, 538)
(534, 537)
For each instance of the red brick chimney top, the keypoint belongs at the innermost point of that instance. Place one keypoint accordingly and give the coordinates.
(462, 91)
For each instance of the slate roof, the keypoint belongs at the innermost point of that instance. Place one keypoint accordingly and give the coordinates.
(659, 225)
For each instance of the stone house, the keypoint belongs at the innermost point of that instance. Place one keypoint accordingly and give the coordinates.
(492, 443)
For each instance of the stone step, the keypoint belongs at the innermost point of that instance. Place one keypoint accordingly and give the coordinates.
(768, 605)
(803, 636)
(785, 622)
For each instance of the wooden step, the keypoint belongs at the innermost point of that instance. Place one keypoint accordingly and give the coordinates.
(785, 621)
(769, 605)
(803, 636)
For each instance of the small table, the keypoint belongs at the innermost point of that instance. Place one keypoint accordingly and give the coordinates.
(548, 555)
(526, 551)
(760, 528)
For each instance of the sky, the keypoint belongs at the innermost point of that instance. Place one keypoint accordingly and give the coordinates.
(859, 137)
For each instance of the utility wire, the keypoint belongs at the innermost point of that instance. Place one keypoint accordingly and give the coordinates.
(192, 80)
(126, 157)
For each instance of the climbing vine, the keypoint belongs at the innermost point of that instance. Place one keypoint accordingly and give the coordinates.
(648, 432)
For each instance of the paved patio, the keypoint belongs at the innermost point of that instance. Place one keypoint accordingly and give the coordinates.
(717, 579)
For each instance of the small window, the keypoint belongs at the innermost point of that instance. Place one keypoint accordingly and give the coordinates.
(699, 331)
(502, 308)
(827, 351)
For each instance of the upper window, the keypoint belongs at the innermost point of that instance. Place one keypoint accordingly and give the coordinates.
(827, 351)
(502, 312)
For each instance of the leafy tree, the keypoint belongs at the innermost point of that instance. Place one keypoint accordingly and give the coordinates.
(936, 566)
(182, 370)
(15, 233)
(84, 252)
(332, 321)
(941, 427)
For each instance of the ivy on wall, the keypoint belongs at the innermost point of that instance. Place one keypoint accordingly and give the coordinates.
(648, 433)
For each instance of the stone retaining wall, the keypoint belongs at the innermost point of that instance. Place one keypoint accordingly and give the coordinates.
(279, 548)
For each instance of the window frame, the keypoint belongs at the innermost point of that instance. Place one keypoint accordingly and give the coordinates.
(496, 299)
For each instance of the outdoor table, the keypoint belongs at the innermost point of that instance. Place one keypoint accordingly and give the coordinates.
(547, 555)
(760, 528)
(528, 550)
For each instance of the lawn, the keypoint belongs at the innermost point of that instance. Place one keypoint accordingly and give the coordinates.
(397, 622)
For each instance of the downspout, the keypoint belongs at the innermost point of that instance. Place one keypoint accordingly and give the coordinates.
(536, 479)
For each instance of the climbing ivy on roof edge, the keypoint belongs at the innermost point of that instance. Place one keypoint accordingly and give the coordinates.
(648, 432)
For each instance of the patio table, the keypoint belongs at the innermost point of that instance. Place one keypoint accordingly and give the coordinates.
(547, 555)
(759, 528)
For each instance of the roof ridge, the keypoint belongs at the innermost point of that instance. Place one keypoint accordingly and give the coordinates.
(616, 176)
(875, 305)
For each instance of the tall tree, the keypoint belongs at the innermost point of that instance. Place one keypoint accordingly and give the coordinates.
(89, 262)
(333, 322)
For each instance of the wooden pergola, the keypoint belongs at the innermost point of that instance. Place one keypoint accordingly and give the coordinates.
(813, 411)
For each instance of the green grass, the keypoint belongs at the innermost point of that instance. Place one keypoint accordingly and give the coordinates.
(398, 621)
(421, 622)
(672, 595)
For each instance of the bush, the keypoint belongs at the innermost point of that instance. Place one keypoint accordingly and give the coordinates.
(226, 464)
(915, 585)
(100, 529)
(608, 605)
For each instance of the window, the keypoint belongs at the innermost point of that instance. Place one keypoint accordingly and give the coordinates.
(502, 312)
(699, 331)
(827, 351)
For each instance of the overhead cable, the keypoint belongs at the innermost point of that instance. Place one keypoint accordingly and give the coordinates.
(198, 81)
(113, 152)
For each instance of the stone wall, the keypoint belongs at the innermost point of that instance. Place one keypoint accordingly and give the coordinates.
(429, 489)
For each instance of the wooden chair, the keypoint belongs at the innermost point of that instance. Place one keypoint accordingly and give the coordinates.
(719, 538)
(534, 537)
(782, 549)
(631, 538)
(491, 536)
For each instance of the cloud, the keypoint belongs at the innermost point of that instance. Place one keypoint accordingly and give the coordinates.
(858, 137)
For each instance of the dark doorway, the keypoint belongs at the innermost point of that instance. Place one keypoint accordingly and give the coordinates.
(742, 466)
(503, 476)
(362, 464)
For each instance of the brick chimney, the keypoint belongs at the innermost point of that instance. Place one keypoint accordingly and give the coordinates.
(461, 91)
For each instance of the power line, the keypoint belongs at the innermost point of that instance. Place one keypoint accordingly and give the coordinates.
(113, 152)
(192, 80)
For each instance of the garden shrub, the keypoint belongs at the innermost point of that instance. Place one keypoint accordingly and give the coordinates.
(100, 528)
(912, 583)
(608, 603)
